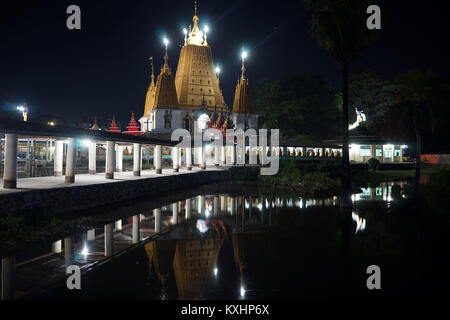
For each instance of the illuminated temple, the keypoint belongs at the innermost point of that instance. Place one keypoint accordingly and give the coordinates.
(191, 98)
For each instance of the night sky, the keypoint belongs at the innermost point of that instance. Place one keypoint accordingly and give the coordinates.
(104, 69)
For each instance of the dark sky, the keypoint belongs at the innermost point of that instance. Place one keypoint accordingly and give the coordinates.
(104, 69)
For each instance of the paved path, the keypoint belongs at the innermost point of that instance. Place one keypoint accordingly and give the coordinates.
(89, 179)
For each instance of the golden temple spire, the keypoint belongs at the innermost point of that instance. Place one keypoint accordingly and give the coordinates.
(150, 96)
(196, 35)
(242, 99)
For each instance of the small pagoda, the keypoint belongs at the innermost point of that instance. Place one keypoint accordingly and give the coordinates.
(132, 128)
(113, 127)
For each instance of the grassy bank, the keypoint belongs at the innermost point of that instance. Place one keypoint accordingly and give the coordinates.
(305, 178)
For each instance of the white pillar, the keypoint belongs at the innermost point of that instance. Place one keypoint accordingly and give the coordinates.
(109, 168)
(222, 203)
(93, 157)
(217, 151)
(109, 240)
(202, 158)
(8, 277)
(233, 205)
(180, 158)
(91, 235)
(175, 154)
(70, 161)
(233, 155)
(58, 160)
(68, 251)
(188, 208)
(175, 213)
(56, 246)
(157, 159)
(223, 155)
(157, 215)
(118, 225)
(136, 229)
(10, 169)
(137, 156)
(119, 159)
(189, 158)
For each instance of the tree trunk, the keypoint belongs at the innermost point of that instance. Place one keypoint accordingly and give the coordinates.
(418, 152)
(345, 174)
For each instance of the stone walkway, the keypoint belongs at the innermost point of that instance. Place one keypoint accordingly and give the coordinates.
(28, 184)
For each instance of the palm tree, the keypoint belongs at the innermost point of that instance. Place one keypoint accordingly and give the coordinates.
(417, 92)
(339, 26)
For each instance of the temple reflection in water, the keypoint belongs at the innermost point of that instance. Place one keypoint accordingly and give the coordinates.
(191, 252)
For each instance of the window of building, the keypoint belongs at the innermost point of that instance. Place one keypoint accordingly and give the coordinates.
(378, 152)
(397, 151)
(364, 151)
(379, 191)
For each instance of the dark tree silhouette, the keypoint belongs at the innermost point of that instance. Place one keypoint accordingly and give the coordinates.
(340, 27)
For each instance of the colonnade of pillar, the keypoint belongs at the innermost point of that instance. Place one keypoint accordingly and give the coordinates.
(114, 159)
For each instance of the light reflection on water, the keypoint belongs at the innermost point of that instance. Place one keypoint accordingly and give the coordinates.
(189, 261)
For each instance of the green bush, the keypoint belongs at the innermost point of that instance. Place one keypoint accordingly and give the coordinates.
(373, 163)
(148, 166)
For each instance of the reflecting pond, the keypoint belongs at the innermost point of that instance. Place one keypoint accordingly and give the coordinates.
(235, 244)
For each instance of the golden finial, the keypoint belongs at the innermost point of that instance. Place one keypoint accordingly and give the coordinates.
(153, 73)
(195, 7)
(244, 56)
(165, 67)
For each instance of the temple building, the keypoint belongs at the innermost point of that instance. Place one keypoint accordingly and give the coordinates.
(191, 98)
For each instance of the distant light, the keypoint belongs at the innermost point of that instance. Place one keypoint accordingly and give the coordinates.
(242, 291)
(206, 29)
(85, 251)
(51, 123)
(216, 271)
(86, 142)
(244, 55)
(166, 41)
(217, 69)
(21, 108)
(185, 31)
(404, 146)
(201, 226)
